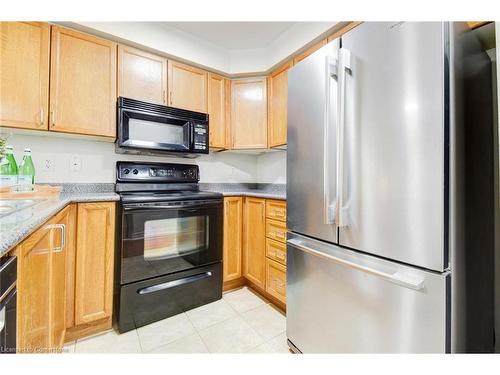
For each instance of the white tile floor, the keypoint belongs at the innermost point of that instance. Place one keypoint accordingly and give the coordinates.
(241, 322)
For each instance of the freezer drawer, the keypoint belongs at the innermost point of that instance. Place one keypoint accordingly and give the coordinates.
(341, 301)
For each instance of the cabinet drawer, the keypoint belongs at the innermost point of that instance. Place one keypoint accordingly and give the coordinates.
(276, 251)
(276, 210)
(276, 230)
(276, 280)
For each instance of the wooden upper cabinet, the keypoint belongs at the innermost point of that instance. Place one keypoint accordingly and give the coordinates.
(187, 87)
(255, 241)
(249, 113)
(94, 261)
(142, 75)
(24, 74)
(233, 237)
(278, 99)
(82, 84)
(228, 144)
(216, 110)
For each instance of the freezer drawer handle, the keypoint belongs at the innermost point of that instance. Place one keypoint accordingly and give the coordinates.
(396, 278)
(174, 283)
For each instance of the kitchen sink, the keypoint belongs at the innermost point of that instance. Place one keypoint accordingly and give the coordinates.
(9, 206)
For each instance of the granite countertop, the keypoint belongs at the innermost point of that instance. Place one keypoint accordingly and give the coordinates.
(270, 191)
(17, 226)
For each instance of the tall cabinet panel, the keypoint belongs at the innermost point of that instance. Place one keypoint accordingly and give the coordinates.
(83, 84)
(216, 110)
(233, 228)
(278, 97)
(94, 261)
(255, 241)
(24, 74)
(142, 75)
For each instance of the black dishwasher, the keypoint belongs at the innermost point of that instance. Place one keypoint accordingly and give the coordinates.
(8, 276)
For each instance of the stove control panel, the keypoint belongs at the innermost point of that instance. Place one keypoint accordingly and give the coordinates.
(156, 172)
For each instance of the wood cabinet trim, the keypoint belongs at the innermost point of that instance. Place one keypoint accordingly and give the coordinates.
(217, 135)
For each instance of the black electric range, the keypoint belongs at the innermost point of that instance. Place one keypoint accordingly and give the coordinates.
(170, 245)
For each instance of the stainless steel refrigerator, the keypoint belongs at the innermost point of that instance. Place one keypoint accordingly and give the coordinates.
(390, 193)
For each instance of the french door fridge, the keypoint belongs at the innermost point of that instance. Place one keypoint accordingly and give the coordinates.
(378, 191)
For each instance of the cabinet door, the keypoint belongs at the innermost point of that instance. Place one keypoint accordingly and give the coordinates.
(142, 75)
(82, 84)
(255, 241)
(94, 261)
(249, 113)
(24, 74)
(278, 97)
(187, 87)
(216, 110)
(233, 227)
(33, 284)
(228, 143)
(62, 244)
(276, 280)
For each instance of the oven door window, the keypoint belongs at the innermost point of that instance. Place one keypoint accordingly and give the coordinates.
(154, 132)
(174, 237)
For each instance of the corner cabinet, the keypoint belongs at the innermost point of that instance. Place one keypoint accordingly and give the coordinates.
(187, 87)
(24, 74)
(141, 75)
(82, 84)
(95, 240)
(277, 106)
(42, 284)
(249, 113)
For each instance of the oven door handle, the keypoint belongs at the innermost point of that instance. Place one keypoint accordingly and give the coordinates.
(174, 283)
(179, 206)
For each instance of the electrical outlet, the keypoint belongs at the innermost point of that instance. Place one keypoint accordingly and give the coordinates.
(75, 164)
(48, 165)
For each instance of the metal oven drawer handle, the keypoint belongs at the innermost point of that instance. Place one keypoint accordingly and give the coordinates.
(174, 283)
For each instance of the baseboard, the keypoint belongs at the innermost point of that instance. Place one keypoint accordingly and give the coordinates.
(233, 284)
(261, 292)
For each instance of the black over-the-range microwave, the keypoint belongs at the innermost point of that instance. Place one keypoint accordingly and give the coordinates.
(147, 128)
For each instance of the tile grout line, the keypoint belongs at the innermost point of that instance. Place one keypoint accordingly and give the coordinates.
(198, 333)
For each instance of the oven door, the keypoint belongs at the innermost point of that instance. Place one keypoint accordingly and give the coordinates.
(143, 130)
(161, 238)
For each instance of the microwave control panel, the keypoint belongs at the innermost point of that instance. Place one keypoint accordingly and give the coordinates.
(200, 137)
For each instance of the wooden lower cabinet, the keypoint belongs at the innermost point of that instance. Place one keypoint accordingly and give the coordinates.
(41, 284)
(233, 238)
(91, 270)
(254, 243)
(276, 280)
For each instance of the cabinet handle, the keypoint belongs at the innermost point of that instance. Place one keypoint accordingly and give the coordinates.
(164, 96)
(170, 95)
(62, 228)
(42, 120)
(53, 118)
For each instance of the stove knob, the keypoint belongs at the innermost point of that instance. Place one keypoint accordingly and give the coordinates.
(135, 171)
(126, 171)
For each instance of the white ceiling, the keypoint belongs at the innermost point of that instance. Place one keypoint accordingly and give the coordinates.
(235, 35)
(233, 48)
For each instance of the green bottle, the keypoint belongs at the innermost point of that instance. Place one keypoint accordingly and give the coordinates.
(8, 169)
(26, 173)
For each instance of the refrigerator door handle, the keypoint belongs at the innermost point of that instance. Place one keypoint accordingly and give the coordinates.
(345, 67)
(397, 277)
(332, 70)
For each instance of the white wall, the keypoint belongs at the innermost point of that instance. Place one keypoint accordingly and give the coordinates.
(98, 160)
(271, 167)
